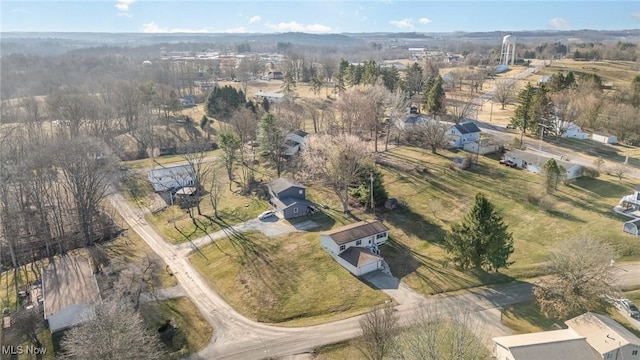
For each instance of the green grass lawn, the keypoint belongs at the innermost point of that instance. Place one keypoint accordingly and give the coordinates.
(435, 199)
(288, 280)
(194, 332)
(339, 351)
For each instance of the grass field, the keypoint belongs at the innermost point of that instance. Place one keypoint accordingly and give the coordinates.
(288, 280)
(619, 73)
(434, 199)
(194, 332)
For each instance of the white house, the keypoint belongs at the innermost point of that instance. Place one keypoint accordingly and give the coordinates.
(632, 227)
(607, 139)
(172, 177)
(463, 133)
(575, 132)
(631, 202)
(295, 141)
(588, 337)
(355, 246)
(535, 163)
(272, 97)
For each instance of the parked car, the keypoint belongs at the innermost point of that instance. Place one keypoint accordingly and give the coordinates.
(508, 163)
(267, 214)
(509, 126)
(630, 308)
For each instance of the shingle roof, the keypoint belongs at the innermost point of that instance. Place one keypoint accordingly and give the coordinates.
(280, 184)
(467, 128)
(537, 159)
(301, 133)
(602, 332)
(358, 256)
(68, 281)
(352, 232)
(577, 349)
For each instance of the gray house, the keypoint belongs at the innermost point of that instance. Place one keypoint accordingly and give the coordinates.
(632, 227)
(289, 198)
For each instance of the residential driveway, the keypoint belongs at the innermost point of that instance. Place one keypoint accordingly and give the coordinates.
(163, 294)
(397, 290)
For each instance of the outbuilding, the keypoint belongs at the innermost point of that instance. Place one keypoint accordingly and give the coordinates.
(632, 227)
(604, 138)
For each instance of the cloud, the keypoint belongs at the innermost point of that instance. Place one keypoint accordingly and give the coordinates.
(424, 21)
(295, 27)
(404, 24)
(559, 24)
(19, 10)
(153, 28)
(123, 5)
(124, 14)
(636, 15)
(254, 19)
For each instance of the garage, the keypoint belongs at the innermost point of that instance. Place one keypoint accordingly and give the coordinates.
(359, 261)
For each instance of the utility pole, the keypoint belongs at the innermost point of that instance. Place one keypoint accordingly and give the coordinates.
(373, 208)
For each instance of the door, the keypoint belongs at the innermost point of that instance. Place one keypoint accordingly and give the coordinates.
(367, 268)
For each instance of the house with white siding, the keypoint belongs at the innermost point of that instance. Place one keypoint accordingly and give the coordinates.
(535, 163)
(355, 246)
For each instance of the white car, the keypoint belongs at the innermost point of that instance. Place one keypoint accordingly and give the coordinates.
(267, 214)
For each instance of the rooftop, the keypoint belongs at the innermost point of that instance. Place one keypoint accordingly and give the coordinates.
(602, 332)
(359, 230)
(537, 338)
(467, 128)
(280, 184)
(301, 133)
(358, 256)
(269, 94)
(537, 159)
(68, 281)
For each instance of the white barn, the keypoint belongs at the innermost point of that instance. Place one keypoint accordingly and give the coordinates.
(172, 177)
(272, 97)
(607, 139)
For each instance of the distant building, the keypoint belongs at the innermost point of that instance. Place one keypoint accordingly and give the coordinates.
(463, 133)
(172, 178)
(535, 163)
(187, 101)
(272, 97)
(603, 138)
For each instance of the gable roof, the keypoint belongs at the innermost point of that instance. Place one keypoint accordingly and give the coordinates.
(467, 128)
(358, 256)
(416, 119)
(352, 232)
(576, 349)
(537, 159)
(602, 332)
(167, 177)
(281, 184)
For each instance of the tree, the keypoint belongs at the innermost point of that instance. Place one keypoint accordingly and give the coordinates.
(116, 332)
(434, 333)
(316, 85)
(432, 134)
(522, 116)
(271, 139)
(553, 172)
(580, 275)
(460, 106)
(223, 101)
(413, 79)
(362, 190)
(86, 165)
(434, 99)
(397, 107)
(378, 330)
(504, 92)
(288, 83)
(215, 191)
(134, 280)
(481, 239)
(229, 143)
(619, 171)
(337, 161)
(598, 163)
(566, 111)
(28, 323)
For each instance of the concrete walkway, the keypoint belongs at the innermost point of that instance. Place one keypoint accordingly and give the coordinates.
(163, 294)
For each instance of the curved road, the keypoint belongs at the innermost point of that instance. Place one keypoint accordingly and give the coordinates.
(237, 337)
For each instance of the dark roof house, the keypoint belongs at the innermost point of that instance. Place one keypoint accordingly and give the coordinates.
(289, 198)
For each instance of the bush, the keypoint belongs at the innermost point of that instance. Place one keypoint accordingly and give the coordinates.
(591, 172)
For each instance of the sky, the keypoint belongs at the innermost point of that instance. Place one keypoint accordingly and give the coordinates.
(339, 16)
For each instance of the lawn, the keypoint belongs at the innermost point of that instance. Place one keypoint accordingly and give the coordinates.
(288, 280)
(339, 351)
(194, 331)
(433, 197)
(620, 73)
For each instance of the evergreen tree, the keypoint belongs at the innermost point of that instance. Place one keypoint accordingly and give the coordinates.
(316, 84)
(229, 143)
(271, 139)
(553, 173)
(481, 239)
(414, 80)
(391, 78)
(541, 109)
(434, 98)
(362, 192)
(223, 101)
(289, 83)
(521, 117)
(265, 104)
(370, 72)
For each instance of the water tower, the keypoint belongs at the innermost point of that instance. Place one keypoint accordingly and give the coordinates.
(508, 52)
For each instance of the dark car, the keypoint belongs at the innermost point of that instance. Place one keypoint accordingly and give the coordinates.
(630, 308)
(508, 163)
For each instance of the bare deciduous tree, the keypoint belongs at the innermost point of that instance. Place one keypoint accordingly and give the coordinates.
(460, 106)
(134, 280)
(215, 190)
(566, 111)
(116, 332)
(397, 106)
(504, 92)
(337, 161)
(580, 276)
(431, 134)
(378, 330)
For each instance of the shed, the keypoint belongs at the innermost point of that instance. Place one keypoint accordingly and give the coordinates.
(172, 177)
(632, 227)
(604, 138)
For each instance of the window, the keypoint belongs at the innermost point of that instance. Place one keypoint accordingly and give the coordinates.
(634, 353)
(300, 191)
(608, 356)
(359, 242)
(341, 247)
(295, 210)
(380, 236)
